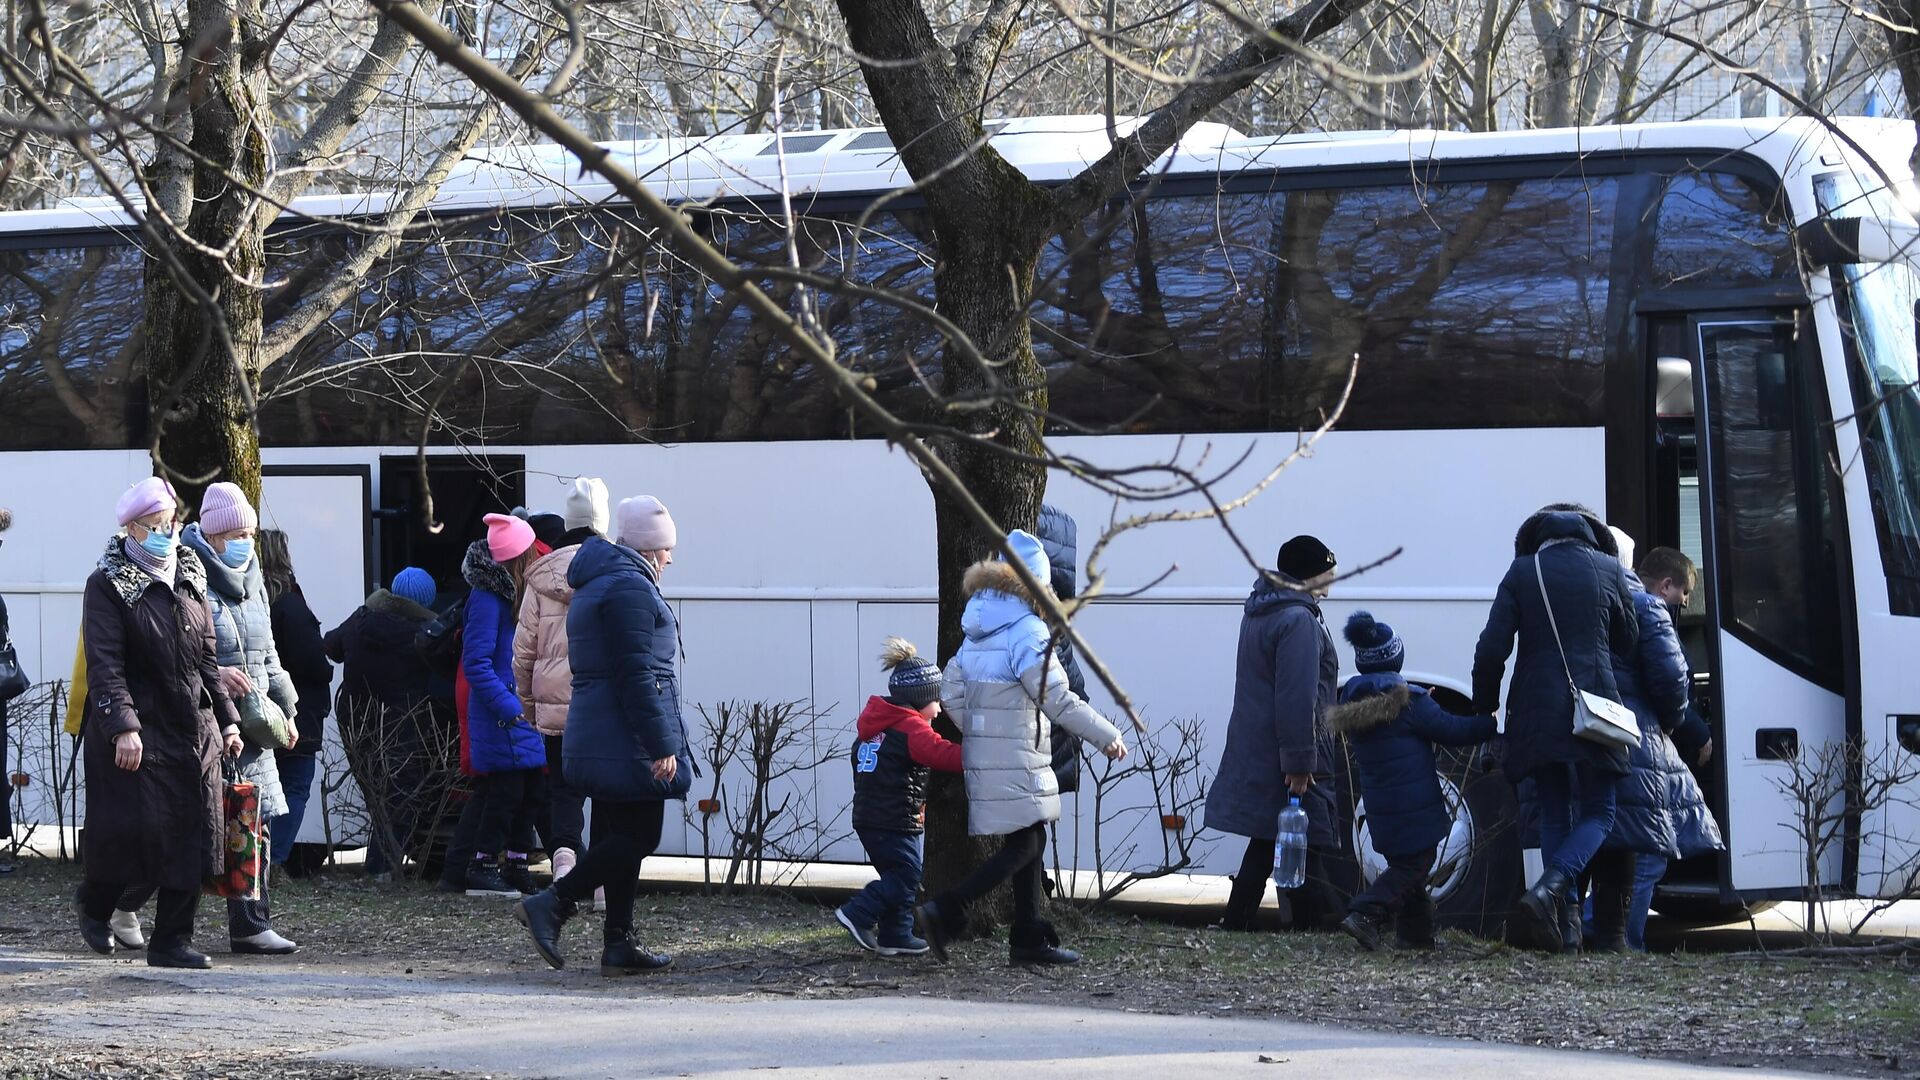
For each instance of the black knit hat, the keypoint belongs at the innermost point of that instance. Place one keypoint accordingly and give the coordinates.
(915, 681)
(1304, 558)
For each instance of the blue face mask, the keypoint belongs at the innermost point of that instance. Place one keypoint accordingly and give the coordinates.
(158, 544)
(236, 553)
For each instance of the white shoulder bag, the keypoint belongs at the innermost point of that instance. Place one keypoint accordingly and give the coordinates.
(1595, 718)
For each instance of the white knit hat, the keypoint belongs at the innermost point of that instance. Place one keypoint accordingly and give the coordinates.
(587, 505)
(643, 524)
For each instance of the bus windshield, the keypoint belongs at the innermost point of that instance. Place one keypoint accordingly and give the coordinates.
(1877, 305)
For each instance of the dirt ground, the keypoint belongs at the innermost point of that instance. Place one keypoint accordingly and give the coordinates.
(1851, 1017)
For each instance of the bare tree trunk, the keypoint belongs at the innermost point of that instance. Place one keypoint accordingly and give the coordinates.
(203, 330)
(1903, 45)
(1553, 97)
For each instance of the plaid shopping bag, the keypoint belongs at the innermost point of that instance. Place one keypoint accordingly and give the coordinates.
(244, 848)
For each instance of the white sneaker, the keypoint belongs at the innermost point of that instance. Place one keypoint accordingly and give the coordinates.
(264, 944)
(563, 862)
(126, 929)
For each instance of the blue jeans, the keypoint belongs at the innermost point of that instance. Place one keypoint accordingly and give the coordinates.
(296, 780)
(1647, 872)
(888, 902)
(1570, 834)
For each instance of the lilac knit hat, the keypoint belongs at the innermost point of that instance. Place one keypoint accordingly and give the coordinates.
(225, 509)
(149, 496)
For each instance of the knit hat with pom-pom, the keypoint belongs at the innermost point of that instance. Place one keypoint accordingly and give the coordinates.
(1376, 647)
(915, 681)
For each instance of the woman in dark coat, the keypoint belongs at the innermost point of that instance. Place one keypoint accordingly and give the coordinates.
(1285, 676)
(626, 746)
(296, 635)
(157, 723)
(1571, 549)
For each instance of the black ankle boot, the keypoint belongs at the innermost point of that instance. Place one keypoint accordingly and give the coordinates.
(1364, 927)
(544, 914)
(177, 955)
(622, 957)
(1413, 926)
(939, 920)
(1538, 920)
(513, 870)
(1611, 901)
(1037, 943)
(95, 932)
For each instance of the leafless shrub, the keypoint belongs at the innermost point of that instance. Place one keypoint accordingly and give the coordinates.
(404, 768)
(1172, 759)
(765, 818)
(44, 773)
(1839, 789)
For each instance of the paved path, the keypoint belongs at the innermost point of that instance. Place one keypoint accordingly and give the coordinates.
(540, 1029)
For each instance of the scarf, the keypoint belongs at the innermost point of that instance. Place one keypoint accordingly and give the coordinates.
(160, 570)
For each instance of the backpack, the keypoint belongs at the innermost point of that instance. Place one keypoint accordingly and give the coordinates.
(438, 642)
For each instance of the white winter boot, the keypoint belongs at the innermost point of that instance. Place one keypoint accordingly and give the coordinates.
(126, 929)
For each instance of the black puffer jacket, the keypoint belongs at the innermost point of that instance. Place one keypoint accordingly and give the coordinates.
(1592, 605)
(894, 751)
(376, 646)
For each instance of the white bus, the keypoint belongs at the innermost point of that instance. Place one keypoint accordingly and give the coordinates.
(1621, 316)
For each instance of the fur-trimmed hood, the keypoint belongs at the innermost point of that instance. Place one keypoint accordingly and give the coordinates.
(1370, 711)
(481, 572)
(994, 575)
(129, 581)
(387, 602)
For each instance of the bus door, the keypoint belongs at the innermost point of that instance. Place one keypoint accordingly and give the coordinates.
(1769, 620)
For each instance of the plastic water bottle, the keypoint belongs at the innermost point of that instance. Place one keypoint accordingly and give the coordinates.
(1290, 851)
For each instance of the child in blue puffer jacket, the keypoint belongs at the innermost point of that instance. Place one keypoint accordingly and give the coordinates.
(1392, 727)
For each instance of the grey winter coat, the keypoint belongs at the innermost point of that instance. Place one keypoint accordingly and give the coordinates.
(151, 669)
(1285, 678)
(243, 632)
(1591, 602)
(1003, 688)
(1660, 809)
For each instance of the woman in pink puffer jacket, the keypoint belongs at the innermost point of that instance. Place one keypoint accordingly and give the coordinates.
(541, 673)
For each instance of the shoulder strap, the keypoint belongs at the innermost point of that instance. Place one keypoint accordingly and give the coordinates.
(1541, 576)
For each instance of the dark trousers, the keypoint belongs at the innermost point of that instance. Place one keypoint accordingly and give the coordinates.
(566, 817)
(296, 780)
(173, 917)
(6, 792)
(1312, 905)
(1401, 891)
(1576, 814)
(501, 809)
(888, 902)
(245, 918)
(624, 834)
(1017, 862)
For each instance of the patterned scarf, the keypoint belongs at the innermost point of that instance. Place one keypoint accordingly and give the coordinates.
(160, 570)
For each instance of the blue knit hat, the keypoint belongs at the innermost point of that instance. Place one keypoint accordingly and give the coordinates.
(416, 585)
(915, 681)
(1376, 647)
(1033, 554)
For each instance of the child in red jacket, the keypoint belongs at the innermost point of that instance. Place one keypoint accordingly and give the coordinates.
(896, 748)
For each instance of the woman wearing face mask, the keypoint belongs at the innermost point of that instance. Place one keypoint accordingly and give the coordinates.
(626, 747)
(223, 540)
(157, 722)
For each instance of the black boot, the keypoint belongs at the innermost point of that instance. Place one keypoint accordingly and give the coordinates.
(1413, 924)
(484, 879)
(544, 914)
(1612, 898)
(1537, 921)
(514, 871)
(177, 955)
(1365, 927)
(939, 920)
(1243, 904)
(622, 957)
(95, 932)
(1037, 943)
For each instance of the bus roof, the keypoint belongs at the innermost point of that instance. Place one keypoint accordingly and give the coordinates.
(1048, 148)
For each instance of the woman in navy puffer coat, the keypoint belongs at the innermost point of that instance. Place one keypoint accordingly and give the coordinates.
(626, 746)
(1661, 813)
(1569, 549)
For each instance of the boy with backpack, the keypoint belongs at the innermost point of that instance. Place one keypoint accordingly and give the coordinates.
(895, 750)
(1392, 727)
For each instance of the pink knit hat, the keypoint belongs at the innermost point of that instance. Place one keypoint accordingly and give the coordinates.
(149, 496)
(507, 536)
(224, 509)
